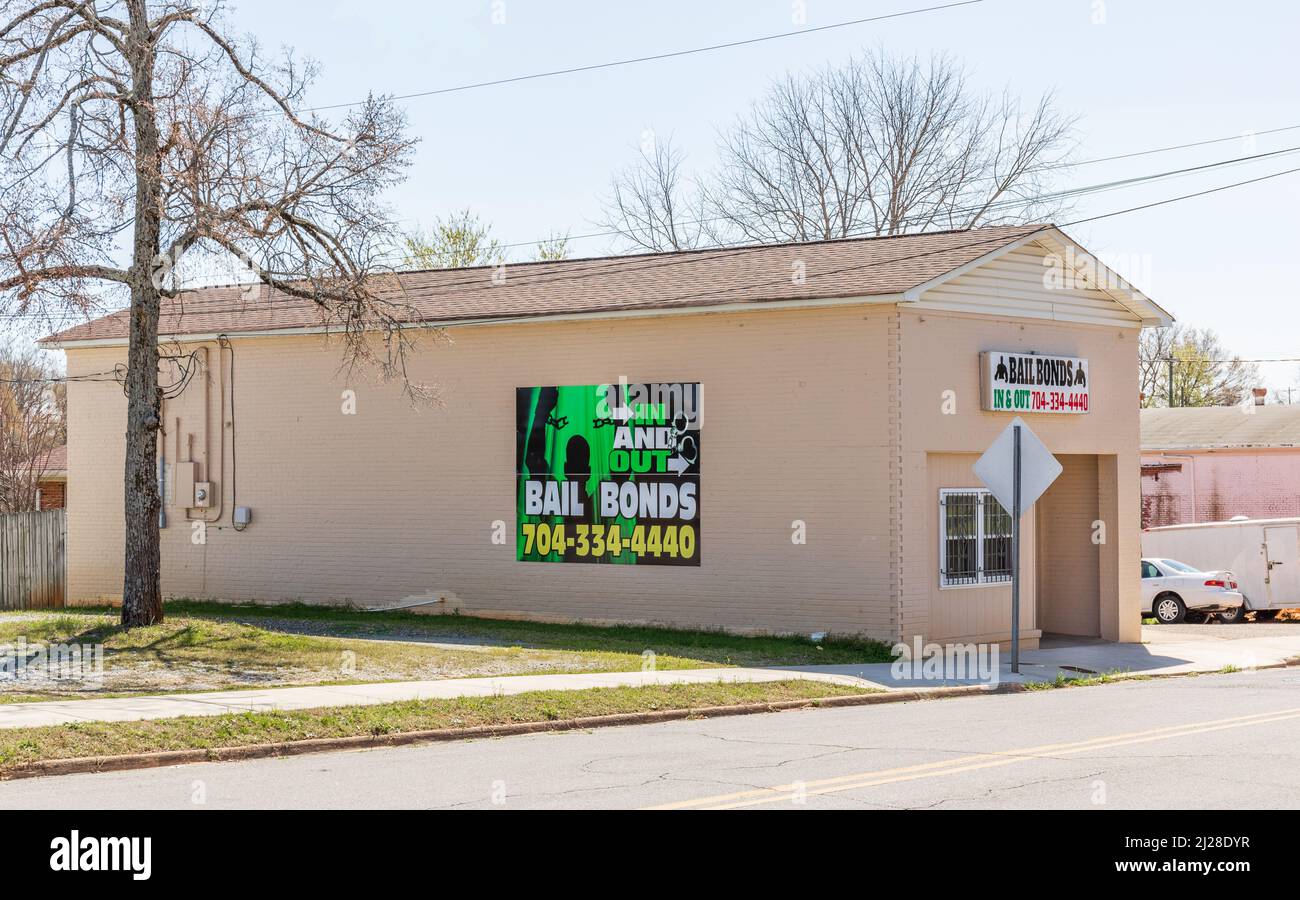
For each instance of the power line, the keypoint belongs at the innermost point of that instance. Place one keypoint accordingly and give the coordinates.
(1050, 168)
(1064, 165)
(1236, 359)
(1206, 143)
(652, 58)
(597, 266)
(1120, 212)
(1010, 203)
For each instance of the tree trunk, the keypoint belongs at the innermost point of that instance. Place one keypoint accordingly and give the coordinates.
(141, 584)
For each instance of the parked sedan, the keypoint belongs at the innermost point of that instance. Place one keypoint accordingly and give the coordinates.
(1173, 591)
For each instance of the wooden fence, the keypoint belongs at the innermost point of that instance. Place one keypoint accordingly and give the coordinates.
(32, 573)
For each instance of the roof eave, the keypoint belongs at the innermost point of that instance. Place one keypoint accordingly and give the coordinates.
(1152, 314)
(52, 343)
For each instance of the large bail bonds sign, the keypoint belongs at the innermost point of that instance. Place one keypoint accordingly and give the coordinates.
(1028, 383)
(608, 473)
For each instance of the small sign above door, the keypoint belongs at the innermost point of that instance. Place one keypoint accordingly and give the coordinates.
(1020, 382)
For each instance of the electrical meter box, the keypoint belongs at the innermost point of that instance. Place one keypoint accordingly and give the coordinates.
(202, 494)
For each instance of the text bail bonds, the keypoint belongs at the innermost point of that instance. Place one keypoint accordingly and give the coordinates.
(1026, 382)
(609, 473)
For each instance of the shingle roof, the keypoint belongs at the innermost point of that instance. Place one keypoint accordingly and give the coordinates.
(653, 281)
(1220, 427)
(52, 462)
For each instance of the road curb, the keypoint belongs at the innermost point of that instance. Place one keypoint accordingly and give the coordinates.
(158, 759)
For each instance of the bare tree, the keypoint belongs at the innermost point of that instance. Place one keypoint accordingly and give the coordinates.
(878, 146)
(881, 146)
(1203, 372)
(32, 423)
(653, 206)
(135, 132)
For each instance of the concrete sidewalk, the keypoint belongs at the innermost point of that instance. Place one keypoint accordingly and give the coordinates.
(215, 703)
(1161, 655)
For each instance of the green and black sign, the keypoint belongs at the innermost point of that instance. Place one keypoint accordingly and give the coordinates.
(609, 473)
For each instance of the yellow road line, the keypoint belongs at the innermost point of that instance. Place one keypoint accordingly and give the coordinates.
(969, 763)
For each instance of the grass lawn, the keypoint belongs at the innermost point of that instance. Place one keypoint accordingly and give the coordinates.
(713, 646)
(211, 646)
(22, 745)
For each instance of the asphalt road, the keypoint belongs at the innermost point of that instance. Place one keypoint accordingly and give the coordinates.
(1215, 741)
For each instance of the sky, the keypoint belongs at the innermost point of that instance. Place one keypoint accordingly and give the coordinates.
(534, 157)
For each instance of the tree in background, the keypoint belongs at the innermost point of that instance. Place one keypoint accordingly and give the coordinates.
(33, 413)
(553, 248)
(881, 145)
(1204, 374)
(653, 206)
(459, 241)
(135, 132)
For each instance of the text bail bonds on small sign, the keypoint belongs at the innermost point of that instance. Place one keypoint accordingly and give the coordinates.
(1022, 382)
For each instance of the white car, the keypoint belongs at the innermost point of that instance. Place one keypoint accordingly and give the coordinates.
(1173, 592)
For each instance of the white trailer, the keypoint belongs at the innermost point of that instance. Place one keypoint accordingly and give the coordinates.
(1263, 554)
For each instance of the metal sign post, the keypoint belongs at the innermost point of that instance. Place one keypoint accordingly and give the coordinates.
(1016, 469)
(1015, 552)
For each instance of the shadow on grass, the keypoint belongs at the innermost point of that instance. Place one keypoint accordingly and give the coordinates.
(709, 645)
(213, 643)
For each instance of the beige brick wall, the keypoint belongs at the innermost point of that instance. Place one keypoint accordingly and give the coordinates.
(940, 352)
(830, 416)
(393, 502)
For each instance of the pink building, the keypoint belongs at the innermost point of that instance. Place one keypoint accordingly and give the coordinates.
(1210, 464)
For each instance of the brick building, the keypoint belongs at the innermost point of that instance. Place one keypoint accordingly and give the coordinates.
(52, 485)
(1209, 464)
(850, 386)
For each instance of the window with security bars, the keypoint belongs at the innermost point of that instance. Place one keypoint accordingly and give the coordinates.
(974, 538)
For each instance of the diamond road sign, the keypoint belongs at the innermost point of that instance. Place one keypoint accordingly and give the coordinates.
(1038, 467)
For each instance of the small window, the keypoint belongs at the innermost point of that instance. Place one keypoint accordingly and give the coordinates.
(1149, 570)
(974, 538)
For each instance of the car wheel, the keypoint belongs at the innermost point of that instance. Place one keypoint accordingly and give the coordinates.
(1233, 616)
(1265, 615)
(1169, 609)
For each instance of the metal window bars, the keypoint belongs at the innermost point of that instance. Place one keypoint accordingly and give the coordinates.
(975, 538)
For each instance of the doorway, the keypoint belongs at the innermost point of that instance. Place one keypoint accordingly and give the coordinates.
(1069, 575)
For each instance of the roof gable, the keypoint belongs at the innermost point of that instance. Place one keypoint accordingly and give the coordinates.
(1041, 275)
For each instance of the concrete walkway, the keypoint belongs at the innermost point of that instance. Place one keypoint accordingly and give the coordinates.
(215, 703)
(1170, 653)
(1162, 652)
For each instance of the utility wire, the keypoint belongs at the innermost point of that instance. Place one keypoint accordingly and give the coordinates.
(1215, 190)
(1206, 143)
(601, 265)
(1048, 168)
(998, 205)
(652, 58)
